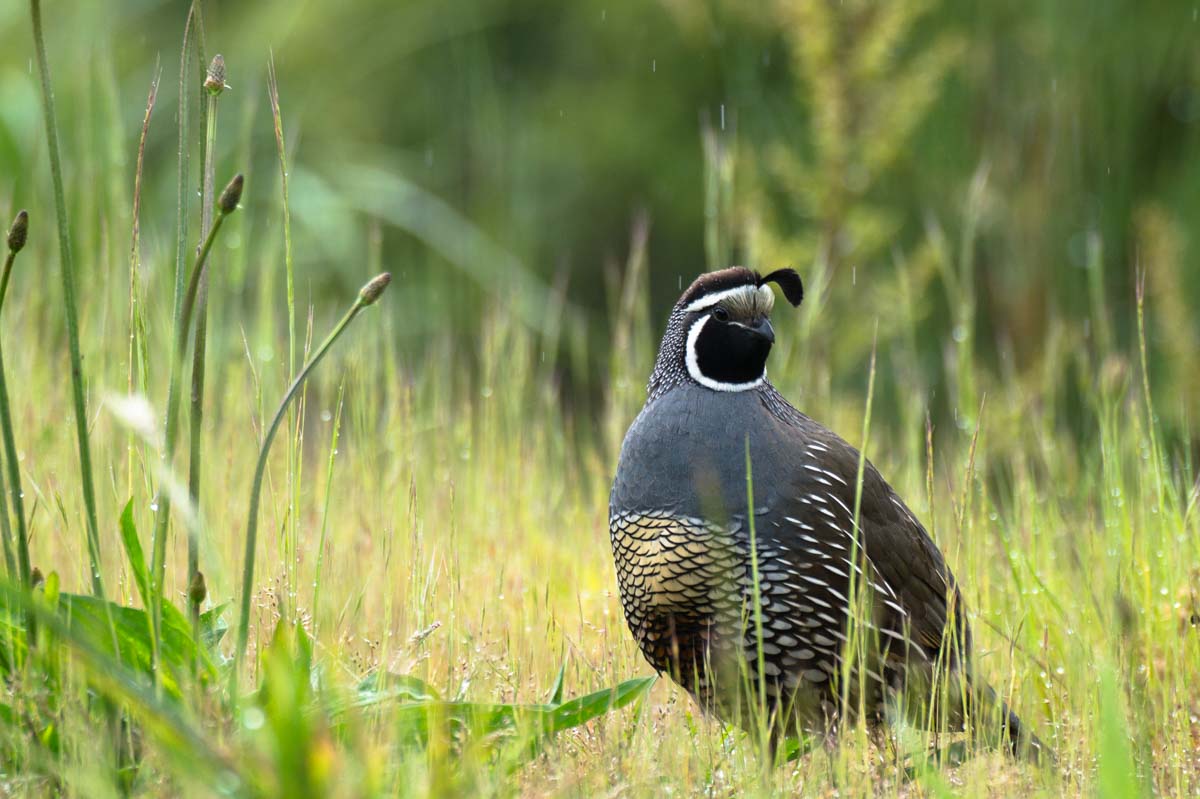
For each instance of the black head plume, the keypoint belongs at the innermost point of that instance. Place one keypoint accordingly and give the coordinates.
(789, 282)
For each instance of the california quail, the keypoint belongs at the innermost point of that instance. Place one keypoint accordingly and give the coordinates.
(714, 428)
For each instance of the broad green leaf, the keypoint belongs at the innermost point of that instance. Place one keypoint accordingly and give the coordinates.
(556, 691)
(1117, 776)
(213, 628)
(186, 745)
(397, 686)
(50, 590)
(133, 551)
(88, 618)
(537, 721)
(585, 708)
(304, 650)
(292, 734)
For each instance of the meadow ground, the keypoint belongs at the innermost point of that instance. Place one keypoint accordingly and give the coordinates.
(433, 571)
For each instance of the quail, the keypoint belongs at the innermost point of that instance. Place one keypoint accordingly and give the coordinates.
(745, 572)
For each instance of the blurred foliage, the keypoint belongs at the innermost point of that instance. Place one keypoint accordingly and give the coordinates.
(1001, 171)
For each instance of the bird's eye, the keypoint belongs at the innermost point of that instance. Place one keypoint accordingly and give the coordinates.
(720, 314)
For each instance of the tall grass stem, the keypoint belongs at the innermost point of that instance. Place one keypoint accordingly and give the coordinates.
(297, 415)
(10, 447)
(856, 662)
(214, 84)
(192, 32)
(137, 342)
(69, 302)
(1151, 420)
(182, 323)
(333, 445)
(760, 668)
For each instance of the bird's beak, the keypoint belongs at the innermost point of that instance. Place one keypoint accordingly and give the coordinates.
(762, 328)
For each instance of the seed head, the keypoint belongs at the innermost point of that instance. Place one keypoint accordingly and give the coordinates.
(36, 578)
(227, 203)
(372, 291)
(18, 232)
(1114, 375)
(197, 589)
(214, 80)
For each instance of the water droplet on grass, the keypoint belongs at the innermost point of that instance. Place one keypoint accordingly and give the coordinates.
(228, 783)
(253, 718)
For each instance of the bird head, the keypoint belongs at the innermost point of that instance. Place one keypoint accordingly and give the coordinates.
(719, 333)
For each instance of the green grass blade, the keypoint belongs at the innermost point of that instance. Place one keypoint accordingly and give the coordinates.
(133, 552)
(1117, 777)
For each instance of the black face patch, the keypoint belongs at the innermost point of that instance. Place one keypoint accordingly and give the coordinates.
(730, 353)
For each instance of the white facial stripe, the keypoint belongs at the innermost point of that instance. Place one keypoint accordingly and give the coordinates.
(749, 300)
(693, 363)
(709, 300)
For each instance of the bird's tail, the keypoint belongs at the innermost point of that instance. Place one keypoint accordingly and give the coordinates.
(1018, 737)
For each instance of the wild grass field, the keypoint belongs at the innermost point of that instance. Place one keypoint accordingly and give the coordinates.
(433, 606)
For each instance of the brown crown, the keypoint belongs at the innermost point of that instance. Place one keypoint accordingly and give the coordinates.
(734, 276)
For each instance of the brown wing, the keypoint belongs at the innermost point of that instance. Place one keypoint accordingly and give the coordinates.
(908, 575)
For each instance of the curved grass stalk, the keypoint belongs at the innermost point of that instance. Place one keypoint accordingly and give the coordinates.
(69, 302)
(367, 296)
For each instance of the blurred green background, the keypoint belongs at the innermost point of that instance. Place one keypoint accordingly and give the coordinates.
(968, 182)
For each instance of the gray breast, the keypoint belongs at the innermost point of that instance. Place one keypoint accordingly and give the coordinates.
(686, 453)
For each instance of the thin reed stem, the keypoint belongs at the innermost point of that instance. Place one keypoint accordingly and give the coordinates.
(281, 149)
(367, 296)
(1151, 420)
(333, 445)
(760, 667)
(856, 662)
(192, 31)
(137, 343)
(6, 533)
(16, 240)
(69, 302)
(225, 206)
(297, 414)
(14, 479)
(214, 83)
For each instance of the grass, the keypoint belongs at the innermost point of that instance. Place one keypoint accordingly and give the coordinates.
(449, 586)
